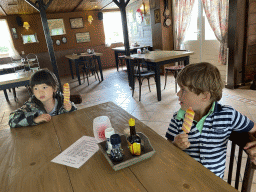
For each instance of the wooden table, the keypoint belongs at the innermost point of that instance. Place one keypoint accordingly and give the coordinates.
(12, 80)
(9, 67)
(158, 58)
(25, 155)
(121, 50)
(75, 58)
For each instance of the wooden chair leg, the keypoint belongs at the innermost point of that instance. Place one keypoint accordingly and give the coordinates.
(149, 85)
(140, 90)
(165, 74)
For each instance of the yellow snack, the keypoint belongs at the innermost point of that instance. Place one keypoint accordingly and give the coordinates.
(188, 120)
(66, 93)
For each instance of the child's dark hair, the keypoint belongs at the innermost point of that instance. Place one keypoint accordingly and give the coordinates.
(44, 76)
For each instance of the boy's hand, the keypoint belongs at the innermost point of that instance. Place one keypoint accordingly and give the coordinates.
(251, 150)
(67, 106)
(181, 141)
(42, 118)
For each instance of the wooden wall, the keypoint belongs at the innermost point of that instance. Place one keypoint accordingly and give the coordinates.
(250, 68)
(95, 29)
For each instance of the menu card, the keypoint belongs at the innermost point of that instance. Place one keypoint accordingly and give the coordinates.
(78, 153)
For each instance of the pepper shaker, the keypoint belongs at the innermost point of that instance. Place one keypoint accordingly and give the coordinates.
(116, 151)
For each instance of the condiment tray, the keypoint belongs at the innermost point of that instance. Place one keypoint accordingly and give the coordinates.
(146, 152)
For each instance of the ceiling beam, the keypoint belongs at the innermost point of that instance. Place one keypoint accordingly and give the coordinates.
(3, 10)
(33, 5)
(77, 5)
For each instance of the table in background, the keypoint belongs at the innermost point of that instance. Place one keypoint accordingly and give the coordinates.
(75, 58)
(121, 50)
(10, 67)
(25, 155)
(158, 58)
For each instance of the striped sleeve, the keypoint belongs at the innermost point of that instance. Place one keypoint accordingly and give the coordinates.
(241, 123)
(172, 130)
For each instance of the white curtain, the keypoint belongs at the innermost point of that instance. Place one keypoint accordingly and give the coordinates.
(6, 39)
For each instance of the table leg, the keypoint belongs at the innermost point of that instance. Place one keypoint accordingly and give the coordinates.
(14, 94)
(186, 61)
(158, 82)
(129, 72)
(116, 57)
(77, 71)
(100, 67)
(70, 66)
(5, 94)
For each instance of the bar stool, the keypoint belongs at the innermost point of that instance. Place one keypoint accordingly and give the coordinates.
(121, 60)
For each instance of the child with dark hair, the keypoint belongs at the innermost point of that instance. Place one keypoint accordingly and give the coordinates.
(45, 102)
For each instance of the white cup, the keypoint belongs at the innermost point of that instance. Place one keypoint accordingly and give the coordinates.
(138, 51)
(99, 125)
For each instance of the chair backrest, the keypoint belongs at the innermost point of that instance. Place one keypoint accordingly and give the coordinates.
(32, 60)
(240, 140)
(137, 65)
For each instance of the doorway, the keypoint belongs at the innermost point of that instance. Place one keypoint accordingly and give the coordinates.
(200, 38)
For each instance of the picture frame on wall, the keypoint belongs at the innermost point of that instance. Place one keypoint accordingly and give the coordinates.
(83, 37)
(64, 40)
(157, 16)
(56, 27)
(76, 23)
(14, 33)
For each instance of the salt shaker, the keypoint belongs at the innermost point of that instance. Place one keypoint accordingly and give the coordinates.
(108, 133)
(116, 151)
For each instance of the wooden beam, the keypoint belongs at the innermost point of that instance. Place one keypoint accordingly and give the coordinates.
(32, 4)
(77, 5)
(48, 4)
(106, 5)
(3, 10)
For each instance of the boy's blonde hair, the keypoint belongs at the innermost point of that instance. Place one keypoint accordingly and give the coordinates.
(200, 78)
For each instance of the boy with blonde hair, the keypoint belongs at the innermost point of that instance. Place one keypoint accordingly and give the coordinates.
(201, 88)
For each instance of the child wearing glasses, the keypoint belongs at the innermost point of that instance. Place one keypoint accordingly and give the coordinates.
(45, 102)
(201, 89)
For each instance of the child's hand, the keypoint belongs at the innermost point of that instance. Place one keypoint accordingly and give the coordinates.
(42, 118)
(251, 150)
(67, 106)
(181, 141)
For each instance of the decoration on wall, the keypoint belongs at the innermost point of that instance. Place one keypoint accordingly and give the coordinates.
(90, 18)
(26, 25)
(157, 15)
(29, 38)
(64, 40)
(57, 42)
(76, 23)
(139, 16)
(83, 37)
(167, 20)
(14, 33)
(56, 27)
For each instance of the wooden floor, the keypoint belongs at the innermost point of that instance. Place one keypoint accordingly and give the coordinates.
(153, 113)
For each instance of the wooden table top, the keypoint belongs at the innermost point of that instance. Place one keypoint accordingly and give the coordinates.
(15, 77)
(10, 65)
(25, 155)
(131, 47)
(157, 56)
(75, 56)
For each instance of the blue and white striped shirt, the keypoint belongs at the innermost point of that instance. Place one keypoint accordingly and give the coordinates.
(210, 147)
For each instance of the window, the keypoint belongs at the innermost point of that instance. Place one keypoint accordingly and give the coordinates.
(113, 27)
(6, 46)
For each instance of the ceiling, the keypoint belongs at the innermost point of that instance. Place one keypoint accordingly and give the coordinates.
(13, 7)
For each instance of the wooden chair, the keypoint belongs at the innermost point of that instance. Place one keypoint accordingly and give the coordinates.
(174, 70)
(140, 73)
(88, 65)
(241, 139)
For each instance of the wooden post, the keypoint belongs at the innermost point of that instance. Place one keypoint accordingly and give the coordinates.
(41, 7)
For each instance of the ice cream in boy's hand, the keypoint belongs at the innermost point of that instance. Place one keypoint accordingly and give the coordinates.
(188, 120)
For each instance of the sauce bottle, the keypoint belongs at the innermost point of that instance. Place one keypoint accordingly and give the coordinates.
(134, 141)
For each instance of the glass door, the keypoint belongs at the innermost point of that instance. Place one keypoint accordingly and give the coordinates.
(200, 38)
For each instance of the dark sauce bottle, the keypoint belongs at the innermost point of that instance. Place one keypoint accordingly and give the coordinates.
(134, 140)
